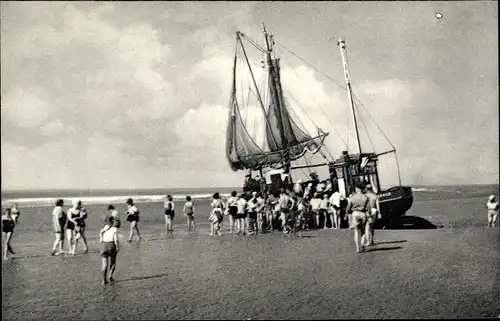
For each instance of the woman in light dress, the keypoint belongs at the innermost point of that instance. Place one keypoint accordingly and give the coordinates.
(59, 222)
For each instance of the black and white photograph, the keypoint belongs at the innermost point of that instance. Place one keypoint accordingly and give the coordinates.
(249, 160)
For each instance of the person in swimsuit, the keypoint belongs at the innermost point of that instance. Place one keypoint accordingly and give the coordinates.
(169, 213)
(72, 215)
(59, 221)
(108, 238)
(252, 214)
(334, 201)
(216, 214)
(242, 213)
(323, 210)
(189, 213)
(15, 213)
(8, 224)
(371, 215)
(285, 204)
(492, 211)
(232, 210)
(80, 228)
(358, 206)
(315, 205)
(133, 218)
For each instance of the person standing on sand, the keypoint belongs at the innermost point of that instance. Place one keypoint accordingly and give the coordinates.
(169, 213)
(492, 211)
(108, 237)
(286, 204)
(358, 206)
(334, 201)
(188, 211)
(133, 218)
(315, 205)
(59, 222)
(323, 210)
(72, 215)
(216, 215)
(372, 214)
(242, 214)
(8, 224)
(232, 210)
(252, 214)
(80, 228)
(15, 213)
(261, 215)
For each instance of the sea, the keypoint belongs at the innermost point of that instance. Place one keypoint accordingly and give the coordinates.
(116, 196)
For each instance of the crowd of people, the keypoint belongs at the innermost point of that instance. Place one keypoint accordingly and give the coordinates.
(254, 211)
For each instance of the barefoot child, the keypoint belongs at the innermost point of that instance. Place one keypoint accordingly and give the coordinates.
(492, 211)
(108, 237)
(133, 218)
(216, 215)
(189, 213)
(169, 213)
(8, 224)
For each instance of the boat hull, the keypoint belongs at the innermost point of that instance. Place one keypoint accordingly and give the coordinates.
(395, 202)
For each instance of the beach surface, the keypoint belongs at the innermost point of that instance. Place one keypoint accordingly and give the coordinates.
(448, 272)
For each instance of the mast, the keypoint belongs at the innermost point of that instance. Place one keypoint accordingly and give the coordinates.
(343, 52)
(279, 115)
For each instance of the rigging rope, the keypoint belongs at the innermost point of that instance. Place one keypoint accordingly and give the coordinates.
(317, 70)
(356, 97)
(366, 130)
(315, 102)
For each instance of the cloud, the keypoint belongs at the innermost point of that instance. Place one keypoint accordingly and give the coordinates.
(53, 128)
(24, 109)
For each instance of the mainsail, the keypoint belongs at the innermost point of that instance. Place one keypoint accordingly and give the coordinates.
(285, 140)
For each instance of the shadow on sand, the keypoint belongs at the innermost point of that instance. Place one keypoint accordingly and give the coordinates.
(391, 242)
(383, 248)
(142, 278)
(406, 223)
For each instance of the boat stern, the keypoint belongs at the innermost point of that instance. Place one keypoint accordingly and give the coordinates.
(395, 201)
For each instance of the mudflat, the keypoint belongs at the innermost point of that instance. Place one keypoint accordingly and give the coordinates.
(450, 272)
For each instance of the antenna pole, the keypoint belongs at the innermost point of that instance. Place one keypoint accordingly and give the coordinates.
(343, 52)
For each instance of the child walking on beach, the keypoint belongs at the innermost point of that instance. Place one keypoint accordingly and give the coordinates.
(189, 213)
(108, 237)
(8, 224)
(133, 218)
(492, 211)
(216, 215)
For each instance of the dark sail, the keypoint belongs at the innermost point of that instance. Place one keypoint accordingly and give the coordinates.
(285, 139)
(284, 134)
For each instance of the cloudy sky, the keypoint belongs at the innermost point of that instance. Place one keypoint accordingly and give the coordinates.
(135, 94)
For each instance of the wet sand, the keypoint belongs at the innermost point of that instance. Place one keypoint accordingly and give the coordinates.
(451, 272)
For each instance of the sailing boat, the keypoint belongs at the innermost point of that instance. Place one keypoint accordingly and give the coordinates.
(283, 139)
